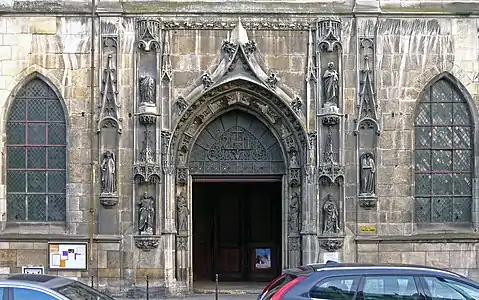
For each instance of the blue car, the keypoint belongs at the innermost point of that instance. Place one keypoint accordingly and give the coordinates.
(46, 287)
(338, 281)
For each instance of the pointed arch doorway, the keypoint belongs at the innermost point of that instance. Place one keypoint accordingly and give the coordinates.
(253, 139)
(237, 166)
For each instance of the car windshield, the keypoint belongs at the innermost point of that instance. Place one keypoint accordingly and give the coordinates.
(78, 291)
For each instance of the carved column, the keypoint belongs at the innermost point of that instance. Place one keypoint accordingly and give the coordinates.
(330, 135)
(109, 127)
(147, 164)
(309, 232)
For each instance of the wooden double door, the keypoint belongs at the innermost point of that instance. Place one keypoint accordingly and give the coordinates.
(237, 231)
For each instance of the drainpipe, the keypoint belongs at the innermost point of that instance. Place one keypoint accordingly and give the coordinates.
(93, 131)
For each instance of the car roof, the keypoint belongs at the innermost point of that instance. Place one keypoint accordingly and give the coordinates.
(38, 280)
(335, 266)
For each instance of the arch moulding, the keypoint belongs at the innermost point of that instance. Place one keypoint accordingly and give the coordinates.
(237, 83)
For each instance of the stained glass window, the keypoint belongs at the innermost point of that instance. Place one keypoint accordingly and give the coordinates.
(36, 156)
(443, 156)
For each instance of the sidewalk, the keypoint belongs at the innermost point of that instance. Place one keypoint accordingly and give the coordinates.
(205, 297)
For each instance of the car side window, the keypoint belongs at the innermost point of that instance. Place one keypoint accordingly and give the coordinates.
(335, 288)
(28, 294)
(390, 288)
(441, 288)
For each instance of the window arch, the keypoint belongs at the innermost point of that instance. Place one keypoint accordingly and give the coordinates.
(444, 158)
(36, 155)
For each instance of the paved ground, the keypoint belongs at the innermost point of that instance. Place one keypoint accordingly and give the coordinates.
(206, 297)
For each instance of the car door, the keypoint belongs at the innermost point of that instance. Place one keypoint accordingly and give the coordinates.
(25, 293)
(3, 293)
(439, 288)
(336, 288)
(390, 287)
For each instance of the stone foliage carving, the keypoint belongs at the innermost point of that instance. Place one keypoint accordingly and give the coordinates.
(297, 105)
(331, 245)
(182, 243)
(183, 212)
(330, 217)
(146, 215)
(146, 243)
(368, 175)
(108, 173)
(331, 84)
(147, 89)
(206, 80)
(272, 80)
(294, 243)
(180, 105)
(293, 215)
(228, 25)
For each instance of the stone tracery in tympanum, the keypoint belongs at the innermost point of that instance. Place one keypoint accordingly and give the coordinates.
(236, 143)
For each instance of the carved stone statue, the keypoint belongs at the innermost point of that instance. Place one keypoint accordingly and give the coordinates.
(330, 216)
(146, 214)
(331, 83)
(293, 163)
(108, 173)
(147, 89)
(368, 171)
(293, 214)
(183, 213)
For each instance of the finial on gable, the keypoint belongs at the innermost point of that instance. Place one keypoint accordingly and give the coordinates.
(239, 36)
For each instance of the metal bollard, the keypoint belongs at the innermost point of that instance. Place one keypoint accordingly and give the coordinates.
(216, 287)
(147, 288)
(92, 280)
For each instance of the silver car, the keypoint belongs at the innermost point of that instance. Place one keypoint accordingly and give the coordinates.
(46, 287)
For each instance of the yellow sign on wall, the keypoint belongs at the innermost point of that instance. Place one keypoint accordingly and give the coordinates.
(367, 228)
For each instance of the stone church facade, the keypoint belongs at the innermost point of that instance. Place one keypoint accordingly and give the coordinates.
(369, 116)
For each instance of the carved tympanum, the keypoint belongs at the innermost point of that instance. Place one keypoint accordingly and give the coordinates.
(330, 216)
(108, 173)
(237, 144)
(146, 215)
(368, 172)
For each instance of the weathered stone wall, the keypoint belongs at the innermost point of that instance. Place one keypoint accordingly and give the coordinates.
(410, 51)
(106, 259)
(455, 255)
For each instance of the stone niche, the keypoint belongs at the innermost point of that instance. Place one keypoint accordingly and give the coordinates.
(147, 164)
(367, 129)
(109, 128)
(330, 138)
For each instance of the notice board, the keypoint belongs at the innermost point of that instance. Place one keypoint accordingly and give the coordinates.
(67, 256)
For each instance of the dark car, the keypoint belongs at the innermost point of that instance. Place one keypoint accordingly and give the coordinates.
(369, 282)
(46, 287)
